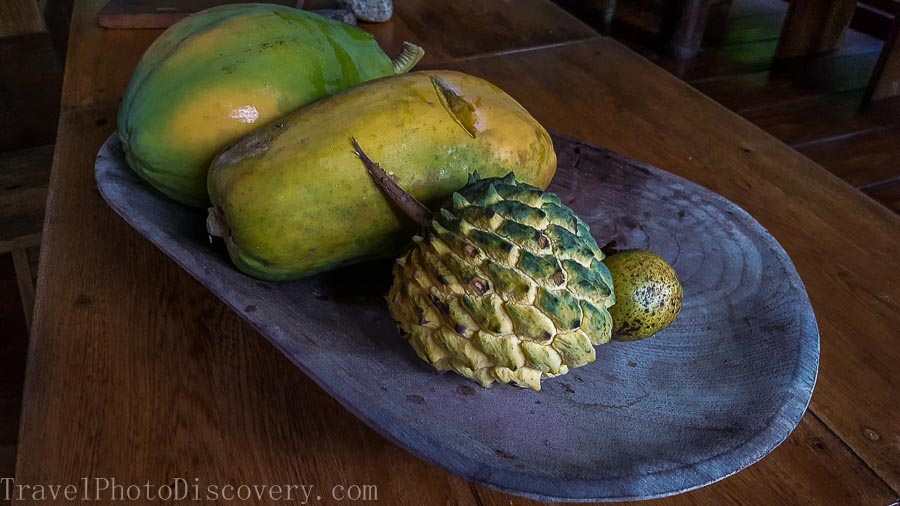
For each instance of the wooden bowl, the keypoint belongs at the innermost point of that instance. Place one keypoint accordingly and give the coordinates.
(707, 397)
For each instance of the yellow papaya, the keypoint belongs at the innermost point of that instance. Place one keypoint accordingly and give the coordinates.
(293, 199)
(215, 76)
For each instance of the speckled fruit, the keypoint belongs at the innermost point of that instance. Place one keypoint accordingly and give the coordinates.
(648, 294)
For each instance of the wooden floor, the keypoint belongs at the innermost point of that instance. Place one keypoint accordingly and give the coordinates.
(811, 105)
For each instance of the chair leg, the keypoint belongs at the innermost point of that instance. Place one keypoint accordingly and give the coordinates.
(26, 283)
(885, 80)
(606, 9)
(717, 23)
(596, 13)
(814, 26)
(683, 24)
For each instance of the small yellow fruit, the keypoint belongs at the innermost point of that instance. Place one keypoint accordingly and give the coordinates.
(648, 294)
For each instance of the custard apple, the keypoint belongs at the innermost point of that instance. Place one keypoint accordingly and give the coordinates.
(505, 284)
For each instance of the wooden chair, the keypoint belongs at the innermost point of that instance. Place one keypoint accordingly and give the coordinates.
(24, 176)
(38, 30)
(818, 26)
(23, 189)
(682, 23)
(885, 81)
(685, 22)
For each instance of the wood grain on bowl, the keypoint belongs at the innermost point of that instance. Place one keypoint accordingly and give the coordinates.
(710, 395)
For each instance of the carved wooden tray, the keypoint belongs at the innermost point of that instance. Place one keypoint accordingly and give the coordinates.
(712, 394)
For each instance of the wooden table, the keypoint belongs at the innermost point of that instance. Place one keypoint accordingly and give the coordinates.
(136, 372)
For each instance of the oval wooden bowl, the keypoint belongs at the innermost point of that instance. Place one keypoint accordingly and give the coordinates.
(712, 394)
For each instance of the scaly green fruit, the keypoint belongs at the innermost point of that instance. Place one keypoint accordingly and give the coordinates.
(291, 199)
(648, 294)
(505, 284)
(223, 72)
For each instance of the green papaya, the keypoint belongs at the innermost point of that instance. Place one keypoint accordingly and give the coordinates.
(293, 199)
(215, 76)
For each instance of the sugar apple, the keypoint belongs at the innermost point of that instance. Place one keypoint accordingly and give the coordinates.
(504, 284)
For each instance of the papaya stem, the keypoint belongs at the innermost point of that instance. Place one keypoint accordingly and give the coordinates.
(216, 225)
(412, 207)
(408, 58)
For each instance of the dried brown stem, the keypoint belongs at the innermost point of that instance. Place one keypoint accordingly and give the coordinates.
(610, 248)
(412, 207)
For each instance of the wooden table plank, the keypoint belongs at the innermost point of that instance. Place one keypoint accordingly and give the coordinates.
(447, 30)
(195, 402)
(183, 387)
(469, 28)
(159, 13)
(138, 373)
(840, 241)
(96, 75)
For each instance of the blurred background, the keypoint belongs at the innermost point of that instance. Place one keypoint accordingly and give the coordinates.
(814, 74)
